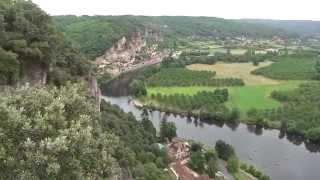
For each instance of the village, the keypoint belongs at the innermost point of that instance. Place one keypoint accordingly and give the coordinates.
(129, 54)
(178, 151)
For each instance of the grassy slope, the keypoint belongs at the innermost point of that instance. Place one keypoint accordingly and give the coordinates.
(244, 98)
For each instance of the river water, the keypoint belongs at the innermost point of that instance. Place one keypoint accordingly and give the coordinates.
(279, 156)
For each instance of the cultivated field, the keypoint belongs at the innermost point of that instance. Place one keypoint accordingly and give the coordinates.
(210, 46)
(290, 68)
(237, 70)
(243, 98)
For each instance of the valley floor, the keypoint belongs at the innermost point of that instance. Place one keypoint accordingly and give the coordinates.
(241, 97)
(237, 70)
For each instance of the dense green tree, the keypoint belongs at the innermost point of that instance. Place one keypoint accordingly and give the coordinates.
(224, 150)
(254, 172)
(233, 164)
(149, 171)
(53, 134)
(313, 134)
(212, 163)
(184, 77)
(292, 67)
(207, 105)
(212, 167)
(197, 161)
(294, 117)
(31, 43)
(167, 130)
(317, 68)
(195, 147)
(148, 126)
(137, 88)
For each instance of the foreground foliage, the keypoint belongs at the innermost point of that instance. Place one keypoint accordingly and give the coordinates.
(50, 133)
(53, 134)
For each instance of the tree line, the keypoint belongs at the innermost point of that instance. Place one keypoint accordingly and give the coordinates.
(299, 114)
(200, 57)
(206, 105)
(184, 77)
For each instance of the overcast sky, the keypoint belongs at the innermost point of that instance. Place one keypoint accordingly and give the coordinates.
(230, 9)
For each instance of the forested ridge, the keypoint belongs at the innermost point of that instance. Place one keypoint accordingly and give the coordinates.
(94, 34)
(303, 27)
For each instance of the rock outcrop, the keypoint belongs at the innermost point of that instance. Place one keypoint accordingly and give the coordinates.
(127, 53)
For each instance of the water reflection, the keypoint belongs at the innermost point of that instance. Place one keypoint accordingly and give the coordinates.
(282, 156)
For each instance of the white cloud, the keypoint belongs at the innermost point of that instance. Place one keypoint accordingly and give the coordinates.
(265, 9)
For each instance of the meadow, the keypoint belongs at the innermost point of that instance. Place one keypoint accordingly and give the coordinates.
(243, 98)
(237, 70)
(282, 74)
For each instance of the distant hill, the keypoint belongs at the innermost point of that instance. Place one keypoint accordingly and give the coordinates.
(94, 34)
(302, 27)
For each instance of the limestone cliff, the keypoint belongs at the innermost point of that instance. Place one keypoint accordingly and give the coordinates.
(128, 53)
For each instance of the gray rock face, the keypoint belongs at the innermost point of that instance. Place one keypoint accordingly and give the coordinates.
(127, 52)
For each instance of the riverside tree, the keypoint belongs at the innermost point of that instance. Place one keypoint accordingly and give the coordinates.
(168, 130)
(224, 150)
(137, 88)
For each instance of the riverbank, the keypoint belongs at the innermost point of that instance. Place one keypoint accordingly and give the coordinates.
(266, 149)
(154, 105)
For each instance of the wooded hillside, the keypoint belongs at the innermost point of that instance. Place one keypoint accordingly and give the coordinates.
(94, 34)
(32, 49)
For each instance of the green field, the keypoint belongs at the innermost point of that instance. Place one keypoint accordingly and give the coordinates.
(237, 51)
(210, 46)
(290, 68)
(243, 98)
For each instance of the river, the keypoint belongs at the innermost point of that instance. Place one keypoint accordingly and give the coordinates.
(280, 156)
